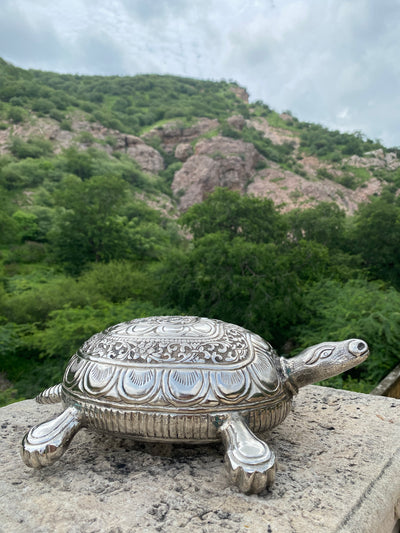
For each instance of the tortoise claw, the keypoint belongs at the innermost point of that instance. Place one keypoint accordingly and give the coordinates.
(253, 482)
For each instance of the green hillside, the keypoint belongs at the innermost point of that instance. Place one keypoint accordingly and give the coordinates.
(93, 229)
(128, 104)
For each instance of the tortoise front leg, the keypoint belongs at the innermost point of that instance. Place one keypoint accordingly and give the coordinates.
(46, 443)
(250, 463)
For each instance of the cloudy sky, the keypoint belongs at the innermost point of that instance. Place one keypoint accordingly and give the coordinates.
(335, 62)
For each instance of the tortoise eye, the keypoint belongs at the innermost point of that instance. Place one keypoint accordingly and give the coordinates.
(320, 353)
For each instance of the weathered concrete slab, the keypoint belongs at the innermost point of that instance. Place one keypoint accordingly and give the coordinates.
(390, 385)
(339, 471)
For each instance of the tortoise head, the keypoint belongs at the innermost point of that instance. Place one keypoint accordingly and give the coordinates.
(323, 361)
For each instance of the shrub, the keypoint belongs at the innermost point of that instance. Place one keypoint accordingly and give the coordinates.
(16, 114)
(56, 115)
(27, 172)
(42, 105)
(66, 125)
(85, 137)
(68, 328)
(33, 147)
(355, 309)
(35, 303)
(118, 281)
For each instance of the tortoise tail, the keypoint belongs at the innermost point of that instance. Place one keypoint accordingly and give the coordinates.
(51, 395)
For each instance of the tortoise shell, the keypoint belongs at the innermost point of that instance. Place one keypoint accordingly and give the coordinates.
(175, 362)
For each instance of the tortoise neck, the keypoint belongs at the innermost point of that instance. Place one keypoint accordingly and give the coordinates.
(288, 378)
(297, 374)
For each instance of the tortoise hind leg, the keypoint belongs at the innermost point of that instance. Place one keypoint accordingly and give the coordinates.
(46, 443)
(250, 462)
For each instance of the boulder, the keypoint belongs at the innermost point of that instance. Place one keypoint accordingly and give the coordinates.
(276, 135)
(237, 122)
(217, 162)
(124, 141)
(289, 190)
(148, 158)
(183, 151)
(240, 93)
(375, 159)
(175, 132)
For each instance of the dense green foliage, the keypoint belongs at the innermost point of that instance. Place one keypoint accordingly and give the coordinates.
(81, 248)
(318, 140)
(295, 278)
(333, 144)
(127, 104)
(78, 252)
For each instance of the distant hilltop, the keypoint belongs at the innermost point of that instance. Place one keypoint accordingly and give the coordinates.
(196, 135)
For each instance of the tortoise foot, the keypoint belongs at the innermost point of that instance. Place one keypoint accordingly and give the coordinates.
(250, 462)
(46, 443)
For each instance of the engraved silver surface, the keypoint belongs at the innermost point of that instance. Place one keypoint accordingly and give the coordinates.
(184, 379)
(161, 362)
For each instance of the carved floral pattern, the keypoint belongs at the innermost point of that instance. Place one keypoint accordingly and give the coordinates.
(166, 362)
(172, 340)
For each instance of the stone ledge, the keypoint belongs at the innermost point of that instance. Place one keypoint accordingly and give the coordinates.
(338, 471)
(390, 385)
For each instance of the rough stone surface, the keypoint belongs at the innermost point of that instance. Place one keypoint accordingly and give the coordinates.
(241, 93)
(277, 135)
(217, 162)
(183, 151)
(233, 165)
(338, 471)
(375, 159)
(148, 158)
(289, 190)
(389, 386)
(236, 121)
(173, 133)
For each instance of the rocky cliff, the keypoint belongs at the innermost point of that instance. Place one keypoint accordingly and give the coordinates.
(257, 152)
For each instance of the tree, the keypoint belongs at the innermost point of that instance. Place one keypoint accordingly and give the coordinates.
(324, 223)
(376, 236)
(255, 285)
(27, 225)
(89, 227)
(79, 163)
(355, 309)
(8, 225)
(253, 219)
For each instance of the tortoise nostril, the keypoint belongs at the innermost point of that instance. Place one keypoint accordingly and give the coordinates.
(358, 347)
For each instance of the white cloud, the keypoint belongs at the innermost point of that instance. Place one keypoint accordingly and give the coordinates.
(316, 58)
(343, 113)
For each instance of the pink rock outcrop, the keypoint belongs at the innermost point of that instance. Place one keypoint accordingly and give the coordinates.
(183, 151)
(217, 162)
(173, 133)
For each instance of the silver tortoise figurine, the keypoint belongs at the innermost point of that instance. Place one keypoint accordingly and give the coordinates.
(190, 379)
